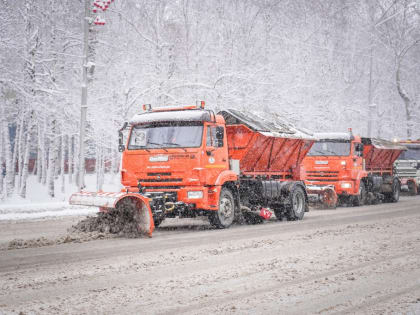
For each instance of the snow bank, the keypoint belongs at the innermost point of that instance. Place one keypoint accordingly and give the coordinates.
(39, 205)
(43, 210)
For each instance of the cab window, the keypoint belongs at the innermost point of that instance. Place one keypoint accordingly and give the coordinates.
(215, 135)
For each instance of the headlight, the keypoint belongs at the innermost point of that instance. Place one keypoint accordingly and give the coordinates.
(345, 185)
(195, 194)
(343, 162)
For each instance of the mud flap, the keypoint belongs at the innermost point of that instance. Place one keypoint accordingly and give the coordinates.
(139, 205)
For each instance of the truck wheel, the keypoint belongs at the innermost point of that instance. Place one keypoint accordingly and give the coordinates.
(223, 217)
(360, 198)
(412, 188)
(296, 208)
(395, 195)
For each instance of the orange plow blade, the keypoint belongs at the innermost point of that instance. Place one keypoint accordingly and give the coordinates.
(133, 204)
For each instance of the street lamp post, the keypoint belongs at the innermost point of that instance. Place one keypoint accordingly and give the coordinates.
(97, 4)
(83, 104)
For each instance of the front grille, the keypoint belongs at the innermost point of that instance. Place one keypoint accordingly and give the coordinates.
(168, 195)
(162, 187)
(325, 176)
(161, 180)
(406, 173)
(159, 174)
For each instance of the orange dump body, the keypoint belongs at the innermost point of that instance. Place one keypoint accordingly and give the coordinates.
(265, 155)
(379, 160)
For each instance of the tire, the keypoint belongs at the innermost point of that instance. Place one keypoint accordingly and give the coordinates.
(224, 216)
(412, 188)
(396, 189)
(360, 198)
(296, 208)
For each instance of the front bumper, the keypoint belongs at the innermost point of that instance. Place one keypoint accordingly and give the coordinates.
(209, 201)
(345, 187)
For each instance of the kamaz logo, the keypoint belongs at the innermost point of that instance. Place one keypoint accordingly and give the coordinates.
(158, 158)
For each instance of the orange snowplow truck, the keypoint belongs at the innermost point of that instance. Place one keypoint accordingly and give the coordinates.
(341, 167)
(189, 161)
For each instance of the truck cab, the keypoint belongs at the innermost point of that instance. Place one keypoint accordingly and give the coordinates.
(336, 160)
(407, 167)
(178, 158)
(357, 170)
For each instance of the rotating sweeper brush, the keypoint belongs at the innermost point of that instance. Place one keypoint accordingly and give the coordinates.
(324, 196)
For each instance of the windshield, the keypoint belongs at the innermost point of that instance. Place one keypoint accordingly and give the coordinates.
(327, 148)
(182, 135)
(413, 153)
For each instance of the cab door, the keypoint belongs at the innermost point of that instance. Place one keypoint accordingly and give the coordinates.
(216, 154)
(357, 152)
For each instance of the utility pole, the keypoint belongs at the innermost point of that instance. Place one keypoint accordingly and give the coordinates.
(83, 104)
(370, 97)
(97, 4)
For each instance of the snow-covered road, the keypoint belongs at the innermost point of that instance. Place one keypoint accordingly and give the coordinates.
(349, 260)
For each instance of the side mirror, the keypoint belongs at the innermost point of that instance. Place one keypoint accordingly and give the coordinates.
(219, 136)
(209, 151)
(358, 148)
(121, 146)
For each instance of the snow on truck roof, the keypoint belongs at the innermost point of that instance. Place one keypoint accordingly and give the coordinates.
(377, 143)
(383, 144)
(268, 124)
(334, 136)
(173, 115)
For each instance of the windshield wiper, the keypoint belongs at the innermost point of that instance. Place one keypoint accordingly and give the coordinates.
(159, 144)
(333, 152)
(155, 143)
(175, 144)
(321, 152)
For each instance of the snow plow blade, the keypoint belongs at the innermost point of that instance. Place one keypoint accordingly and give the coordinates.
(136, 204)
